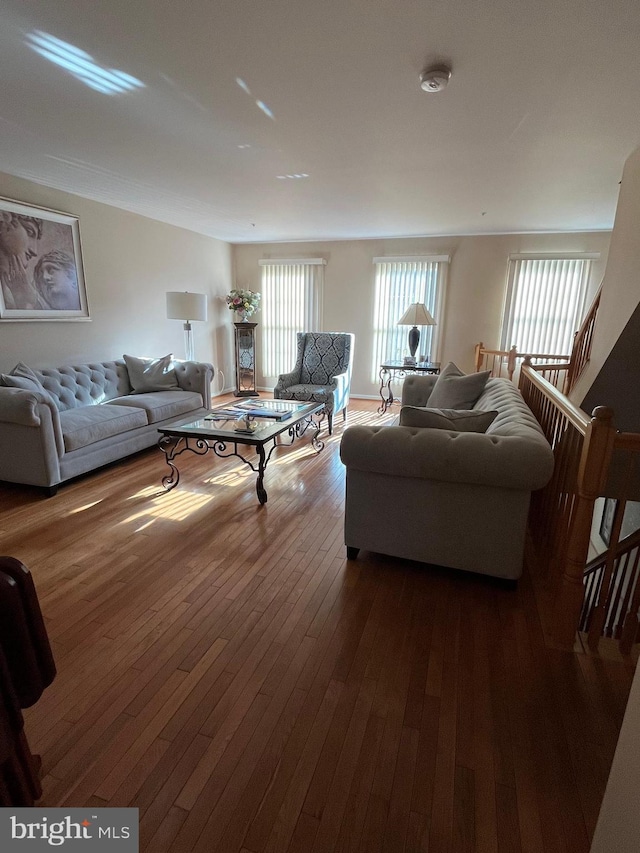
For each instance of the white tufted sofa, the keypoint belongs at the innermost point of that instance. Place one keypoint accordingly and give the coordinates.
(88, 418)
(457, 499)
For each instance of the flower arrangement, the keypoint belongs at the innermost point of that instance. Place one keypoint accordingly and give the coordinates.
(246, 302)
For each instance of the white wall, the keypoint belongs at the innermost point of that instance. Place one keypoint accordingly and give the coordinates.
(475, 290)
(129, 263)
(621, 286)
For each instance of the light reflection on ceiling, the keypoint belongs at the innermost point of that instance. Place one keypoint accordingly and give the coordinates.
(83, 67)
(260, 104)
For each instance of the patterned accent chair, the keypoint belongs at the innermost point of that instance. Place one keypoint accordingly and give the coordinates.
(322, 372)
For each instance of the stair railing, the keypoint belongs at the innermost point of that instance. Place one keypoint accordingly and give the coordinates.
(582, 342)
(620, 603)
(591, 460)
(504, 363)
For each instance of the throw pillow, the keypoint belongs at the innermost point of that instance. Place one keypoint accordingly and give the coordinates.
(456, 390)
(10, 381)
(457, 420)
(22, 376)
(151, 374)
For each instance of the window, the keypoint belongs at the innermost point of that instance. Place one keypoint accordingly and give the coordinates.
(398, 283)
(545, 302)
(291, 302)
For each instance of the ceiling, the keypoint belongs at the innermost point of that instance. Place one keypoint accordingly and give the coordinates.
(541, 112)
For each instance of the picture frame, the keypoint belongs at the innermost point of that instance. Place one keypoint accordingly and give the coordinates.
(606, 522)
(41, 270)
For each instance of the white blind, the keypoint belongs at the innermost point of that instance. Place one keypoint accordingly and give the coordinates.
(545, 303)
(291, 302)
(398, 283)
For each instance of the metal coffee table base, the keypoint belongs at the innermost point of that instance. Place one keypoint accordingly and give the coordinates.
(173, 446)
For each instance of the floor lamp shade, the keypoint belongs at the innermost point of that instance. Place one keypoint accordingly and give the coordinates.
(417, 314)
(182, 305)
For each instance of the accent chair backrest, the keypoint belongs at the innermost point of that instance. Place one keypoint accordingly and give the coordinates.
(324, 354)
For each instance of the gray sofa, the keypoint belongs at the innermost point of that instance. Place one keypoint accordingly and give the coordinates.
(88, 417)
(456, 499)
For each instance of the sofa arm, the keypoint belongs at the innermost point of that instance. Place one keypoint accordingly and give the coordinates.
(511, 462)
(18, 406)
(196, 376)
(30, 436)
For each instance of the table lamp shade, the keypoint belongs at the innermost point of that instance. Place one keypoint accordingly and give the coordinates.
(182, 305)
(186, 306)
(417, 314)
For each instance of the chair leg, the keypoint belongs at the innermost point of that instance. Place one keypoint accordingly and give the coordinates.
(330, 422)
(344, 415)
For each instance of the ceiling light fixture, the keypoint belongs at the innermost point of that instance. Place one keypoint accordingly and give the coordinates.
(435, 79)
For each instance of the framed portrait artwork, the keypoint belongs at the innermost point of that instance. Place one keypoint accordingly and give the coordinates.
(606, 522)
(41, 275)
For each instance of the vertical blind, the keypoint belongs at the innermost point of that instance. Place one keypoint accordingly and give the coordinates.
(545, 303)
(291, 302)
(398, 283)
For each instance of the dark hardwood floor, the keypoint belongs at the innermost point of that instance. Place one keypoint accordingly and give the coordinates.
(224, 669)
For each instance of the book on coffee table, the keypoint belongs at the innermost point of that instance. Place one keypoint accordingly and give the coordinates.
(242, 410)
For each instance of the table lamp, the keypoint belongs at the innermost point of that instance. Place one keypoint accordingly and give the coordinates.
(187, 306)
(417, 314)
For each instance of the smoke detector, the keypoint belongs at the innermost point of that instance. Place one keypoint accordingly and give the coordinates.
(435, 79)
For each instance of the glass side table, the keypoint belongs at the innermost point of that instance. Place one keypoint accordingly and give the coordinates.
(391, 370)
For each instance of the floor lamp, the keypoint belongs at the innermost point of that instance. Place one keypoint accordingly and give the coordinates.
(417, 314)
(187, 306)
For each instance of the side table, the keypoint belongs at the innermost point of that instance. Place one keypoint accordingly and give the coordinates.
(391, 370)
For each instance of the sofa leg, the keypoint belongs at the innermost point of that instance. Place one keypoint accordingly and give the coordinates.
(50, 491)
(352, 553)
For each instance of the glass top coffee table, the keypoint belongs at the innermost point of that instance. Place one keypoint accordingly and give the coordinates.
(216, 432)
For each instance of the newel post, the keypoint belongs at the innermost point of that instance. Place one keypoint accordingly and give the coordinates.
(479, 348)
(511, 361)
(593, 469)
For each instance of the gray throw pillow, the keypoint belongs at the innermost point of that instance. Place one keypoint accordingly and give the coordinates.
(22, 376)
(456, 390)
(10, 381)
(458, 420)
(151, 374)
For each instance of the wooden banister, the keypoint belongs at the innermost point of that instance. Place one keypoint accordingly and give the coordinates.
(582, 341)
(592, 475)
(501, 362)
(591, 461)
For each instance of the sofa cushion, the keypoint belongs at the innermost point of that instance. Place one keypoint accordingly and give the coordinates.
(308, 393)
(458, 420)
(161, 405)
(81, 427)
(151, 374)
(455, 390)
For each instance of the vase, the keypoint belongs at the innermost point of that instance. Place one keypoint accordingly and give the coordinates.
(242, 316)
